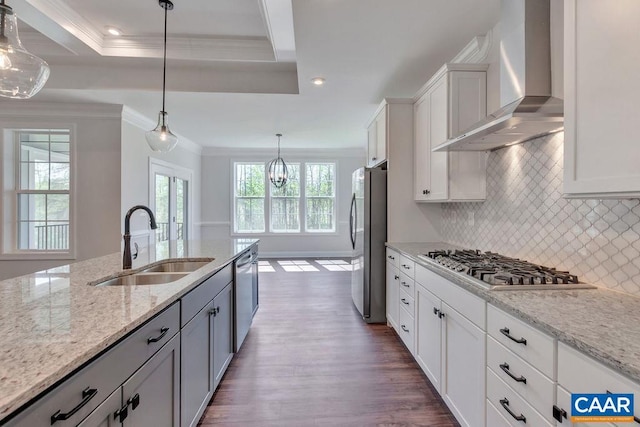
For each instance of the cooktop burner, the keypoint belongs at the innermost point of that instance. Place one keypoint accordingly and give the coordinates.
(502, 272)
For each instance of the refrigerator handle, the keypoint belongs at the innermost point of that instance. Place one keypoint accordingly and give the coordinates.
(352, 222)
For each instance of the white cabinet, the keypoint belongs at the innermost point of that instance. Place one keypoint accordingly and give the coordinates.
(454, 99)
(450, 344)
(602, 89)
(393, 280)
(377, 137)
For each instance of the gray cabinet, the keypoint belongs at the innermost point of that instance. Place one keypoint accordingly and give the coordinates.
(105, 414)
(222, 333)
(153, 392)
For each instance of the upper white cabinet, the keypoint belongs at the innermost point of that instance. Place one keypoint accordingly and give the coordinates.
(377, 137)
(601, 149)
(451, 101)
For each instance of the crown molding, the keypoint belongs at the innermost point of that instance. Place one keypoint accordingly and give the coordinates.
(15, 109)
(290, 153)
(142, 122)
(476, 51)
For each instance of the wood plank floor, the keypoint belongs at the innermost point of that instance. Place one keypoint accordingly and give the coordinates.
(309, 360)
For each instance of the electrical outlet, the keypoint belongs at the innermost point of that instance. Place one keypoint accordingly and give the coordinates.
(471, 219)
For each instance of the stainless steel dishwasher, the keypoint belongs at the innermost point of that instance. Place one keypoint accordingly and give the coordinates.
(243, 296)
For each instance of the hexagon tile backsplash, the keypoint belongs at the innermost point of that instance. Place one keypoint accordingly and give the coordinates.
(525, 216)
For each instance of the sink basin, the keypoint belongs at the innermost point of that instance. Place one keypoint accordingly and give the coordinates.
(143, 279)
(176, 266)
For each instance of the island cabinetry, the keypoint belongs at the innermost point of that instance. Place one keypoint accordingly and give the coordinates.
(74, 399)
(450, 344)
(451, 101)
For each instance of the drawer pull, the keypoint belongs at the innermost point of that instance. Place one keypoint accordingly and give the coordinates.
(391, 257)
(163, 332)
(406, 267)
(559, 413)
(87, 395)
(214, 311)
(441, 315)
(404, 301)
(396, 277)
(436, 312)
(404, 328)
(405, 284)
(134, 401)
(505, 404)
(505, 368)
(505, 332)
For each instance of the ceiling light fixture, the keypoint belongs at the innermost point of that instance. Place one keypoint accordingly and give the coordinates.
(22, 74)
(318, 81)
(114, 31)
(278, 169)
(161, 139)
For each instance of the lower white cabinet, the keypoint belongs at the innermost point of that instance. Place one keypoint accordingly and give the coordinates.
(393, 283)
(428, 337)
(564, 402)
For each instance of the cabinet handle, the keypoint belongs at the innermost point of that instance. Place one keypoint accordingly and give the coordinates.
(391, 257)
(374, 158)
(134, 401)
(404, 301)
(396, 277)
(87, 395)
(505, 368)
(122, 413)
(214, 311)
(441, 315)
(559, 413)
(505, 404)
(163, 332)
(436, 312)
(405, 284)
(425, 192)
(505, 332)
(404, 328)
(406, 267)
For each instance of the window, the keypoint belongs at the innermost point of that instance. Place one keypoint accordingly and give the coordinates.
(249, 195)
(306, 203)
(43, 185)
(170, 202)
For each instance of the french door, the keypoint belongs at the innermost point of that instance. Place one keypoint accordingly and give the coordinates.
(169, 191)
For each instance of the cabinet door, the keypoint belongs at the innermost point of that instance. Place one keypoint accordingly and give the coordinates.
(381, 136)
(393, 278)
(104, 415)
(372, 144)
(428, 333)
(154, 390)
(463, 376)
(196, 385)
(601, 89)
(438, 133)
(421, 149)
(222, 333)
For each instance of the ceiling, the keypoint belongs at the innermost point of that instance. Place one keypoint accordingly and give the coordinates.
(239, 71)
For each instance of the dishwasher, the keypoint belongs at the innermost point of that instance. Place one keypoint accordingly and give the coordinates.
(244, 272)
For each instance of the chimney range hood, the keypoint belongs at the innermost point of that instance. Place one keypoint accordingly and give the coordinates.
(529, 111)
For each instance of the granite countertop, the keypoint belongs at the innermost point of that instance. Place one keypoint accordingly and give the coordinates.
(602, 323)
(52, 321)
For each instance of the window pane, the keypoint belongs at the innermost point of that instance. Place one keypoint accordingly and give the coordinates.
(320, 179)
(250, 180)
(32, 235)
(34, 176)
(58, 207)
(320, 214)
(32, 207)
(292, 187)
(162, 207)
(60, 152)
(285, 215)
(250, 215)
(59, 176)
(57, 236)
(34, 152)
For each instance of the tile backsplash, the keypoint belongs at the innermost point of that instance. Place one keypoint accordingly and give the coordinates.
(525, 216)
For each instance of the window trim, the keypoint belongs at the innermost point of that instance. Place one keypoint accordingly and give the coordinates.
(9, 234)
(302, 199)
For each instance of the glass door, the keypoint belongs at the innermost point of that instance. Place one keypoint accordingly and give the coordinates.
(170, 201)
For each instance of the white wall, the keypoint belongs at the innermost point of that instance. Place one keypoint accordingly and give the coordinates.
(135, 174)
(97, 175)
(217, 199)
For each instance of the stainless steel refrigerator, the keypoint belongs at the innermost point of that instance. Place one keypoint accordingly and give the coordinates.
(368, 233)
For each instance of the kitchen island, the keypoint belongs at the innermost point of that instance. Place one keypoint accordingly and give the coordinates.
(54, 322)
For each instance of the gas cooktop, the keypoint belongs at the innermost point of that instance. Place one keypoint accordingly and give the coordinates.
(499, 272)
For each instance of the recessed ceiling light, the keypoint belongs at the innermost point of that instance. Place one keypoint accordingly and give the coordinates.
(114, 31)
(318, 81)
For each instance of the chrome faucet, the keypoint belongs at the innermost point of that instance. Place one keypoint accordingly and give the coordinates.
(126, 257)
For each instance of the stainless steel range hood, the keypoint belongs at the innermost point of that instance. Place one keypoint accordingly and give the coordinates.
(529, 111)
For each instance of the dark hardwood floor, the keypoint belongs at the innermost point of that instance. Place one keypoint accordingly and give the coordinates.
(309, 360)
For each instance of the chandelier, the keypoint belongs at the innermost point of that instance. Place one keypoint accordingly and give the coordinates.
(278, 169)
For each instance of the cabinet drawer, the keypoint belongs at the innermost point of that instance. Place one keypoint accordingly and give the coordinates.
(393, 258)
(195, 300)
(564, 402)
(495, 418)
(406, 331)
(407, 303)
(407, 284)
(505, 399)
(95, 382)
(407, 266)
(578, 373)
(529, 383)
(534, 346)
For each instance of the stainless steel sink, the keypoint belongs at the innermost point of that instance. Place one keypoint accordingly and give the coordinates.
(143, 279)
(176, 266)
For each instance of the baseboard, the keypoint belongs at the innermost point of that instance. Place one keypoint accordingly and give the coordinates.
(304, 254)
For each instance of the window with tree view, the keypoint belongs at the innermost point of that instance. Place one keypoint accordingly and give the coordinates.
(320, 183)
(43, 196)
(249, 194)
(285, 203)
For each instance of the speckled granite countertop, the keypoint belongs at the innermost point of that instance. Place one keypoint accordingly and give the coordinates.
(602, 323)
(51, 322)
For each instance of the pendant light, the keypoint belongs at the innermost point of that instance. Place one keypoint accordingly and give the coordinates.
(161, 139)
(278, 169)
(22, 74)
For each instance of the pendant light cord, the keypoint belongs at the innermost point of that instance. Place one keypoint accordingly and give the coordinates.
(164, 63)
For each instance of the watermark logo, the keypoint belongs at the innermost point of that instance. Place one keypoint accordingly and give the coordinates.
(589, 407)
